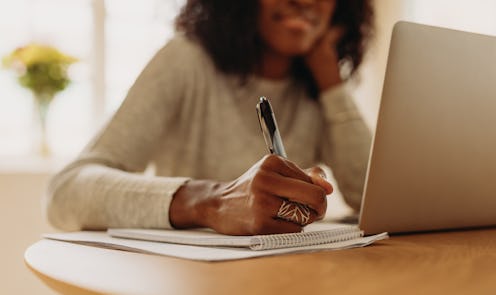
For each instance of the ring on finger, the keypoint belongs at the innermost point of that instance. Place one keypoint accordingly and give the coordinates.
(294, 212)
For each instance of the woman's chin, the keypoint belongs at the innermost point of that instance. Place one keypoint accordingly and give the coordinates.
(300, 53)
(295, 50)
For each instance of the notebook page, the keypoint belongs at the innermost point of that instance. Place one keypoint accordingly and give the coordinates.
(101, 239)
(199, 237)
(318, 233)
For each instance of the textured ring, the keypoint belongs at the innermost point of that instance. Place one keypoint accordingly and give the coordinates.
(294, 212)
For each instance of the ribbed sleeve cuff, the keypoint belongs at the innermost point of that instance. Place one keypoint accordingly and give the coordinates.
(160, 192)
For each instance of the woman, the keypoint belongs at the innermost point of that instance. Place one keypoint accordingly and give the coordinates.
(192, 114)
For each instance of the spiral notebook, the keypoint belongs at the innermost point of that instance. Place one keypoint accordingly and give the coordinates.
(314, 234)
(207, 245)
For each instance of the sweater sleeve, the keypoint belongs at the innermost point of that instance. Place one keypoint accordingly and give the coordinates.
(103, 187)
(346, 143)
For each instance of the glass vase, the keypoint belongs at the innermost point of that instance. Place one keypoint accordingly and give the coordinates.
(42, 105)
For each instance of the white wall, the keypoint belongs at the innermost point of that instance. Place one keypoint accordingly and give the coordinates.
(367, 90)
(466, 15)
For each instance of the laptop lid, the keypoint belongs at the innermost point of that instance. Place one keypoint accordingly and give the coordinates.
(433, 160)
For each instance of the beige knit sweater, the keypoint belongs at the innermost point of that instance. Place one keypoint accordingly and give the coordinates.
(192, 121)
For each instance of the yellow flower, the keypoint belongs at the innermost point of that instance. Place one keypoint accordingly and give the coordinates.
(40, 68)
(36, 54)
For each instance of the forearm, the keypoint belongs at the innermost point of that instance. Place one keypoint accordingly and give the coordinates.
(94, 196)
(347, 144)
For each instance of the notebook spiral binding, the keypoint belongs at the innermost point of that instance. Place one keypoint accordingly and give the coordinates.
(305, 239)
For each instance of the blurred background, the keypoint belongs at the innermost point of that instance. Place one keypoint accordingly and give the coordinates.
(111, 41)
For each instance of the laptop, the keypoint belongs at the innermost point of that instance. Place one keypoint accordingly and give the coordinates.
(433, 159)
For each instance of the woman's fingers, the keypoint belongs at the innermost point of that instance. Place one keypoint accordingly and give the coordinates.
(284, 167)
(280, 216)
(282, 178)
(278, 208)
(278, 226)
(293, 189)
(315, 175)
(334, 35)
(319, 178)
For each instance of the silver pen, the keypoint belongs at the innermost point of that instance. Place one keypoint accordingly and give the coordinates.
(269, 128)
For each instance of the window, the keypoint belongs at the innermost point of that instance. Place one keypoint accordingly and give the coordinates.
(114, 39)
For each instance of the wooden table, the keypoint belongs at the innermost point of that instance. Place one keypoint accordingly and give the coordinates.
(458, 262)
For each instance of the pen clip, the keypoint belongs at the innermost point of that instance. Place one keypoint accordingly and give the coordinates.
(269, 128)
(265, 129)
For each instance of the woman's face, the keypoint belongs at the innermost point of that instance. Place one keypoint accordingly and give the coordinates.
(291, 27)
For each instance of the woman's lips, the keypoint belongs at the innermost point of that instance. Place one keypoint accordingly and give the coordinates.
(296, 23)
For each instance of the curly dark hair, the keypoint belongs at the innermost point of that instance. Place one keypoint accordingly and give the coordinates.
(228, 31)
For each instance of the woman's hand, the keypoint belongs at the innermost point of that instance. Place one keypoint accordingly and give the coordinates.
(323, 60)
(250, 204)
